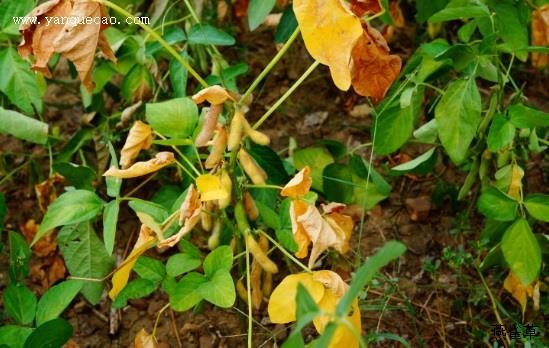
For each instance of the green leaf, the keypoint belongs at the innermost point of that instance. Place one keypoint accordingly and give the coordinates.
(182, 263)
(175, 118)
(338, 183)
(53, 334)
(81, 177)
(23, 127)
(538, 206)
(3, 210)
(85, 256)
(306, 305)
(496, 205)
(10, 9)
(426, 8)
(18, 82)
(204, 34)
(521, 251)
(415, 163)
(71, 207)
(150, 269)
(284, 233)
(56, 299)
(20, 254)
(219, 290)
(523, 116)
(137, 83)
(267, 215)
(179, 76)
(185, 295)
(113, 184)
(493, 231)
(257, 11)
(219, 259)
(286, 26)
(458, 115)
(427, 133)
(110, 219)
(271, 164)
(317, 158)
(361, 168)
(15, 335)
(189, 248)
(460, 9)
(511, 28)
(19, 303)
(501, 133)
(396, 124)
(137, 288)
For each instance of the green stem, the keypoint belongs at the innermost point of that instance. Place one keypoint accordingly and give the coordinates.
(158, 38)
(287, 94)
(270, 66)
(285, 252)
(10, 174)
(274, 187)
(182, 156)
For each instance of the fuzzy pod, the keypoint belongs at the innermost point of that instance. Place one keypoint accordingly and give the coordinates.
(260, 256)
(241, 290)
(255, 284)
(218, 149)
(208, 128)
(267, 284)
(213, 241)
(241, 219)
(235, 131)
(254, 135)
(250, 166)
(227, 184)
(251, 209)
(206, 217)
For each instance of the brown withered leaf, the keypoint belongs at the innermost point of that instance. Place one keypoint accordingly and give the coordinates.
(161, 160)
(298, 208)
(189, 216)
(144, 340)
(362, 8)
(418, 207)
(45, 246)
(374, 69)
(139, 138)
(38, 38)
(299, 185)
(46, 192)
(540, 35)
(78, 41)
(214, 95)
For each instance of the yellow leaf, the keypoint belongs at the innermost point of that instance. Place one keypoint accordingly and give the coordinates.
(78, 40)
(282, 305)
(144, 340)
(210, 188)
(161, 160)
(540, 35)
(227, 186)
(189, 216)
(214, 95)
(330, 32)
(343, 228)
(120, 278)
(139, 138)
(521, 292)
(515, 185)
(149, 221)
(298, 208)
(299, 185)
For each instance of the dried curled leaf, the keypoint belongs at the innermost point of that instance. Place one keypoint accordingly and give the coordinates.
(374, 69)
(214, 95)
(144, 340)
(330, 32)
(362, 8)
(298, 208)
(211, 188)
(540, 35)
(299, 185)
(250, 166)
(120, 278)
(38, 38)
(218, 149)
(161, 160)
(208, 128)
(521, 292)
(139, 138)
(189, 216)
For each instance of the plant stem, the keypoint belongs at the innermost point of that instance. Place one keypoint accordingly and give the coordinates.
(270, 66)
(249, 290)
(285, 252)
(274, 187)
(158, 38)
(182, 156)
(158, 319)
(287, 94)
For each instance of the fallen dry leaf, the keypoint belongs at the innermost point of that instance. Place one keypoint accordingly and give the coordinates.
(521, 292)
(299, 185)
(418, 207)
(139, 138)
(161, 160)
(540, 35)
(79, 40)
(374, 69)
(330, 31)
(46, 192)
(120, 278)
(362, 8)
(45, 246)
(144, 340)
